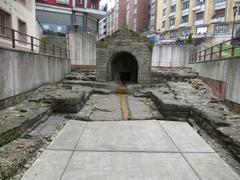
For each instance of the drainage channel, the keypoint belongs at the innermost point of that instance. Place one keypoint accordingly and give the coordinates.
(122, 91)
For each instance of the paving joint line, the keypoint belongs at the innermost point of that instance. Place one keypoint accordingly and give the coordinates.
(131, 151)
(199, 177)
(70, 158)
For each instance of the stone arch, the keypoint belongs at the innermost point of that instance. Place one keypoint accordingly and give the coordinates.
(123, 67)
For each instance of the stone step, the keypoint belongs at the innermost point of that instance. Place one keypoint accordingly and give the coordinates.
(16, 120)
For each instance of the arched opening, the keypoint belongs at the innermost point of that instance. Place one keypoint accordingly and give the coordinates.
(123, 68)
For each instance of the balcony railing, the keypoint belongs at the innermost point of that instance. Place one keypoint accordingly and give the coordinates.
(230, 48)
(20, 40)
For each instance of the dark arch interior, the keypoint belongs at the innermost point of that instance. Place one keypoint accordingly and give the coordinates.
(124, 68)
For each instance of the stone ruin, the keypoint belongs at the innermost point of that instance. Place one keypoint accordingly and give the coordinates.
(125, 56)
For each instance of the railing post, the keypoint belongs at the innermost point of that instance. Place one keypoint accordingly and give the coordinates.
(13, 38)
(200, 56)
(211, 53)
(60, 51)
(196, 57)
(44, 47)
(205, 52)
(220, 51)
(233, 51)
(53, 49)
(31, 43)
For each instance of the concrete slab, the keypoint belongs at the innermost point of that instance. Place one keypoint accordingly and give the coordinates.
(125, 136)
(186, 139)
(139, 109)
(107, 108)
(210, 166)
(128, 166)
(68, 136)
(50, 165)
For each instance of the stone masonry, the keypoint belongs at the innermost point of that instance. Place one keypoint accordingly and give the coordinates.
(124, 41)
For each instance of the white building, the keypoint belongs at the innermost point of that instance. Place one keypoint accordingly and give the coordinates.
(18, 15)
(107, 24)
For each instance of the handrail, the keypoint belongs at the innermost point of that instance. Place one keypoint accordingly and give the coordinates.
(47, 48)
(229, 48)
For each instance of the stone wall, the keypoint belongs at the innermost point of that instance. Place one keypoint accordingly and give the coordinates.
(82, 46)
(223, 76)
(22, 71)
(125, 41)
(172, 56)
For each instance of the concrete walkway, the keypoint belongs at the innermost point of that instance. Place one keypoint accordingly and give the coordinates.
(129, 150)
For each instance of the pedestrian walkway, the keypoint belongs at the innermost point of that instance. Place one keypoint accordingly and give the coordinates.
(129, 150)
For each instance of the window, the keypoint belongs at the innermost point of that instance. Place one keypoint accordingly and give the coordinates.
(201, 30)
(185, 32)
(173, 34)
(22, 27)
(164, 12)
(4, 21)
(163, 24)
(200, 2)
(199, 16)
(219, 13)
(221, 29)
(185, 5)
(63, 2)
(173, 8)
(172, 21)
(79, 1)
(22, 1)
(184, 19)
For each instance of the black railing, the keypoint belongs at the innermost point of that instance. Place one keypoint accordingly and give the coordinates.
(20, 40)
(226, 49)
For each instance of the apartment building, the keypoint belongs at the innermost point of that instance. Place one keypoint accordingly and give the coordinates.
(212, 19)
(137, 15)
(58, 15)
(120, 13)
(20, 16)
(107, 24)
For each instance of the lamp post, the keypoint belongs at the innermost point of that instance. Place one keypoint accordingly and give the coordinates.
(235, 10)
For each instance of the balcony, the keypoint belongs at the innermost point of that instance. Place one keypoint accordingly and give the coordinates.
(94, 12)
(185, 12)
(183, 24)
(198, 22)
(199, 8)
(172, 27)
(173, 2)
(218, 20)
(220, 4)
(172, 14)
(164, 5)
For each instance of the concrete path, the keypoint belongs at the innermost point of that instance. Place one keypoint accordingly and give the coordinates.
(129, 150)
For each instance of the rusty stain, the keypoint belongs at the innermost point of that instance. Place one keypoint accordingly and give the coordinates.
(123, 102)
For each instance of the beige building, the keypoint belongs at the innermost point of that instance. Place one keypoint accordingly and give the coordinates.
(18, 15)
(202, 18)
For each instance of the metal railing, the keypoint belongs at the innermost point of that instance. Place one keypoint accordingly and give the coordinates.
(19, 40)
(226, 49)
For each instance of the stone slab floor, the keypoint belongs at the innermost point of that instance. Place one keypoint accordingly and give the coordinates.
(128, 150)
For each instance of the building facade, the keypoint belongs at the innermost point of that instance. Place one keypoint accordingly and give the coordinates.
(20, 16)
(203, 18)
(58, 15)
(137, 15)
(107, 24)
(120, 13)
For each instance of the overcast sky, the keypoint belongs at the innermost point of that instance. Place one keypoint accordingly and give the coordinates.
(109, 2)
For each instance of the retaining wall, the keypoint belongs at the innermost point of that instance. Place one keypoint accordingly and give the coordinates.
(22, 71)
(223, 76)
(172, 56)
(82, 46)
